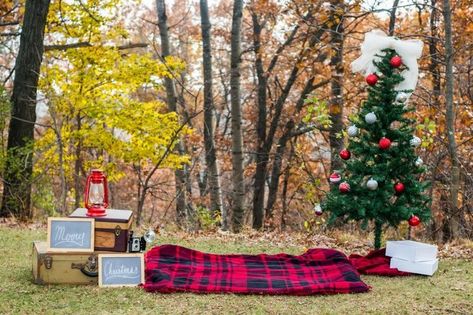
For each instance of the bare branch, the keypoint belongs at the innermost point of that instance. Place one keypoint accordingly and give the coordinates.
(88, 44)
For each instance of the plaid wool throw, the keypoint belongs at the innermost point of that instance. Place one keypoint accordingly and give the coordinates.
(171, 268)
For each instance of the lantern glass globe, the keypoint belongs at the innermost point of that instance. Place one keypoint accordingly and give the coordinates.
(96, 194)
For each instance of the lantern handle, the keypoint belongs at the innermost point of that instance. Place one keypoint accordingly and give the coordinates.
(105, 202)
(86, 192)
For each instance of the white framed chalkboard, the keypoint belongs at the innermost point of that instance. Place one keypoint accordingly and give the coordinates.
(70, 235)
(121, 270)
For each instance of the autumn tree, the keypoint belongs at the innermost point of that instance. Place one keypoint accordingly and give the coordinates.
(209, 141)
(95, 97)
(17, 175)
(237, 139)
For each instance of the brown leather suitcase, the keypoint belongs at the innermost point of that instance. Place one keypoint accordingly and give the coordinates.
(111, 231)
(63, 268)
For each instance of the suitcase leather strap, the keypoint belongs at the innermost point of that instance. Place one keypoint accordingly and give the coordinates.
(90, 268)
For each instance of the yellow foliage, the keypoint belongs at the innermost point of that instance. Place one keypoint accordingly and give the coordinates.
(93, 96)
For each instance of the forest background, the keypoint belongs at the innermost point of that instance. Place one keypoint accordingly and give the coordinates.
(219, 114)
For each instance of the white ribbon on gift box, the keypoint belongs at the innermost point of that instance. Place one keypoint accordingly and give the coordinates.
(409, 50)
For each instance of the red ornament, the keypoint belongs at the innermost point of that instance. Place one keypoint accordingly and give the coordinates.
(371, 79)
(399, 187)
(345, 154)
(414, 220)
(344, 187)
(395, 62)
(384, 143)
(96, 194)
(335, 178)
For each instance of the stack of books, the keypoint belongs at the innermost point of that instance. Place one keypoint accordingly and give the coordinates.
(414, 257)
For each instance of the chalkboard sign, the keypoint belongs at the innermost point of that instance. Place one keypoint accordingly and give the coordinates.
(121, 270)
(70, 235)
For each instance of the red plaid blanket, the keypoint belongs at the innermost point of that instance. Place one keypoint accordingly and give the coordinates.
(375, 263)
(171, 268)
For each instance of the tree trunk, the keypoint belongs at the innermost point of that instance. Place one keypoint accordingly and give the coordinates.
(434, 69)
(19, 165)
(336, 98)
(378, 231)
(392, 18)
(237, 139)
(180, 174)
(287, 174)
(210, 152)
(78, 165)
(455, 216)
(261, 154)
(62, 173)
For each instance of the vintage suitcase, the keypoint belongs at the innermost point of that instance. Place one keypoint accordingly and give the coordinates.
(66, 268)
(111, 231)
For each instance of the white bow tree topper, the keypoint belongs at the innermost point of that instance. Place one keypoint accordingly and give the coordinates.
(371, 50)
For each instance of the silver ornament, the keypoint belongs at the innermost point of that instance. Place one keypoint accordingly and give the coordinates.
(371, 118)
(415, 141)
(372, 184)
(318, 209)
(419, 162)
(401, 98)
(149, 236)
(352, 131)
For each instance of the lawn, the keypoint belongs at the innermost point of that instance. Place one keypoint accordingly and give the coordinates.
(450, 290)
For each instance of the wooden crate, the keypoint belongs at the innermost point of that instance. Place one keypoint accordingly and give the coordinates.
(111, 231)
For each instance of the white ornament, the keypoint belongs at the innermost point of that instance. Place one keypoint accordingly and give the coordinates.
(419, 162)
(149, 236)
(401, 98)
(371, 118)
(352, 131)
(415, 141)
(318, 209)
(371, 50)
(372, 184)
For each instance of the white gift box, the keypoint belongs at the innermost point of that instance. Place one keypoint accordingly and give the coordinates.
(411, 251)
(420, 267)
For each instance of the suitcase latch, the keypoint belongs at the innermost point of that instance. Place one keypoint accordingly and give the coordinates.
(89, 268)
(118, 230)
(47, 261)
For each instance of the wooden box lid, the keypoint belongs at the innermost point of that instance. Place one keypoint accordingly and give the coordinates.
(113, 215)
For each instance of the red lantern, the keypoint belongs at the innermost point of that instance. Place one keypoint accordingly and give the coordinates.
(96, 194)
(395, 62)
(345, 154)
(414, 220)
(384, 143)
(371, 79)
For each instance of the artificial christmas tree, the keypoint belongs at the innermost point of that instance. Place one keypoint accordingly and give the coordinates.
(381, 176)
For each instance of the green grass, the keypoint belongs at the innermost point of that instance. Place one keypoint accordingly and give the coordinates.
(450, 290)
